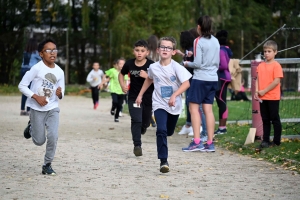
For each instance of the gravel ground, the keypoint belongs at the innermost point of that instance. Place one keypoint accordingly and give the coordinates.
(94, 160)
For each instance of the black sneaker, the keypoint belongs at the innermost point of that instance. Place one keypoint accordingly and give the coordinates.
(164, 167)
(47, 169)
(27, 131)
(116, 120)
(143, 131)
(137, 150)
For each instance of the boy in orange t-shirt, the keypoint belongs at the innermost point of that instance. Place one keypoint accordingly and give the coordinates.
(269, 74)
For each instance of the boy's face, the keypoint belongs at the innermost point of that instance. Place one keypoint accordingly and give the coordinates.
(120, 64)
(165, 50)
(140, 53)
(49, 53)
(269, 54)
(96, 66)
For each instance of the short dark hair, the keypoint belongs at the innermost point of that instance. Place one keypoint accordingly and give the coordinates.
(141, 43)
(42, 44)
(222, 37)
(205, 23)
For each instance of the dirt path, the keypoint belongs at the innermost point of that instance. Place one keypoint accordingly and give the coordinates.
(94, 160)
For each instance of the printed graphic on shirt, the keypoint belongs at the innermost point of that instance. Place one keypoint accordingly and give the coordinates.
(166, 91)
(135, 73)
(47, 87)
(173, 78)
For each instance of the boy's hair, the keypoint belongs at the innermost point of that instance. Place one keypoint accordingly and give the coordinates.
(171, 39)
(141, 43)
(42, 44)
(271, 44)
(205, 23)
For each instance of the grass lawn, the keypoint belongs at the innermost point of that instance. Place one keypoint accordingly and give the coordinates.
(287, 154)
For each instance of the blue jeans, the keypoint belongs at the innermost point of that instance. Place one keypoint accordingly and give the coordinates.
(203, 122)
(166, 124)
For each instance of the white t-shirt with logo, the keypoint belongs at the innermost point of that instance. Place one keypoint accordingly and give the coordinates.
(95, 77)
(167, 80)
(45, 81)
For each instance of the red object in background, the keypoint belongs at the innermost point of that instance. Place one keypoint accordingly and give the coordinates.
(256, 117)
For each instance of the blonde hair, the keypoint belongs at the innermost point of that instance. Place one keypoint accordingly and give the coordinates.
(270, 44)
(171, 39)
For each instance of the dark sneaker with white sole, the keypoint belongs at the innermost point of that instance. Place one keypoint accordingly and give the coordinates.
(27, 131)
(137, 150)
(47, 170)
(164, 167)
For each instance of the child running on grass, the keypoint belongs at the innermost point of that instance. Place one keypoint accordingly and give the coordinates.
(170, 81)
(140, 116)
(48, 85)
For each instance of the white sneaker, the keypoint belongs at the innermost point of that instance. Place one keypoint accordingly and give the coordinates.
(185, 130)
(120, 114)
(192, 133)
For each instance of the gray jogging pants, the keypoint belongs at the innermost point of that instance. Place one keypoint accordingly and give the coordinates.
(40, 122)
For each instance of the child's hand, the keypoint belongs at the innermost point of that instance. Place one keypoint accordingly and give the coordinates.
(124, 88)
(138, 100)
(172, 101)
(58, 92)
(189, 54)
(143, 74)
(100, 86)
(261, 92)
(41, 100)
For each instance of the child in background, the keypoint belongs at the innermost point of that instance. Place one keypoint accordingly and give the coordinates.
(204, 83)
(186, 43)
(140, 116)
(154, 56)
(48, 85)
(269, 74)
(170, 81)
(224, 78)
(117, 94)
(96, 78)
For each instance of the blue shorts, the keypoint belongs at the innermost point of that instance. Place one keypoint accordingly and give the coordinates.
(202, 92)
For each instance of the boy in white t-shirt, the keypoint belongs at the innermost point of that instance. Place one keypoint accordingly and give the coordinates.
(96, 78)
(170, 81)
(48, 85)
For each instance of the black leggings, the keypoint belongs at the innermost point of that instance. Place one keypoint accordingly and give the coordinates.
(117, 102)
(221, 99)
(95, 94)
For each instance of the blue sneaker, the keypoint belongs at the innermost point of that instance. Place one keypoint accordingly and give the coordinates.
(220, 131)
(193, 147)
(208, 148)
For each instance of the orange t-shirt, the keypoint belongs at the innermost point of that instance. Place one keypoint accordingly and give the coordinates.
(266, 73)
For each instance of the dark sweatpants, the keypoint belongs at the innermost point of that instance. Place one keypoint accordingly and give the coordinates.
(140, 118)
(269, 111)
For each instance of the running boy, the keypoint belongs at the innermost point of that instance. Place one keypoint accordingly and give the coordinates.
(48, 85)
(204, 83)
(140, 116)
(116, 91)
(170, 80)
(96, 78)
(269, 74)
